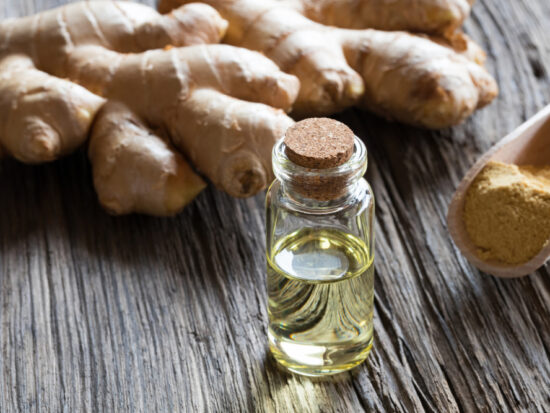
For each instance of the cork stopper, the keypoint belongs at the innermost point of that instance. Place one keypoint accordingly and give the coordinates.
(319, 143)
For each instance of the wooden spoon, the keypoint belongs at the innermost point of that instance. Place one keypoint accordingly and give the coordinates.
(527, 145)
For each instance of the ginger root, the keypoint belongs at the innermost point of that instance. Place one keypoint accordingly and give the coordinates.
(153, 86)
(222, 106)
(397, 75)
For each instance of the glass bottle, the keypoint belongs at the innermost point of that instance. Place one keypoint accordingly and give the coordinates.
(320, 263)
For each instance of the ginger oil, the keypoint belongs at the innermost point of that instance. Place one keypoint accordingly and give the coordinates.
(320, 301)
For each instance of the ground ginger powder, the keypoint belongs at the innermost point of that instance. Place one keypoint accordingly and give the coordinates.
(507, 212)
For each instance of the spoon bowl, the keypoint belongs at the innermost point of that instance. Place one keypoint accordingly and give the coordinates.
(529, 144)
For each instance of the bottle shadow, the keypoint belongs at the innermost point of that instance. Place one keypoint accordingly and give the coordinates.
(287, 391)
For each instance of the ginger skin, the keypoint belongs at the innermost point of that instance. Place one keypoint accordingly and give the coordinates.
(424, 16)
(42, 117)
(120, 145)
(91, 52)
(215, 132)
(399, 76)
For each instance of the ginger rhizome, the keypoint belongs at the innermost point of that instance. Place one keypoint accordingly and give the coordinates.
(158, 92)
(429, 82)
(222, 107)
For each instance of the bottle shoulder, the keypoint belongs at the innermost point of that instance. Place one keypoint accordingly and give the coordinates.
(358, 200)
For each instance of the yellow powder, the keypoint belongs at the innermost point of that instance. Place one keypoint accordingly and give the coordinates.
(507, 212)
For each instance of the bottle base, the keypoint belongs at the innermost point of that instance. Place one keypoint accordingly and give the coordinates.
(316, 360)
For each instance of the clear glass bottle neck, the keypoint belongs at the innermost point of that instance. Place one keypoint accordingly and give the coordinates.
(319, 188)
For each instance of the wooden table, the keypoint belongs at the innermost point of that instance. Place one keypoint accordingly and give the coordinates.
(134, 314)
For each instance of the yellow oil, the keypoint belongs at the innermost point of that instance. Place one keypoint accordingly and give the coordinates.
(320, 301)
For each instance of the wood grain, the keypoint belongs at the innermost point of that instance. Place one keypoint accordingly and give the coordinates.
(139, 314)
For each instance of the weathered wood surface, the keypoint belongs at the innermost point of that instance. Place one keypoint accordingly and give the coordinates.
(142, 314)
